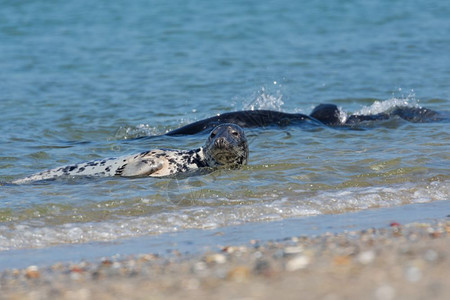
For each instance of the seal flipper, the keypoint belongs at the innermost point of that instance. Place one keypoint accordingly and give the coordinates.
(140, 166)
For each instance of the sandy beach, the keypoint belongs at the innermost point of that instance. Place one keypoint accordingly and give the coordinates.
(401, 261)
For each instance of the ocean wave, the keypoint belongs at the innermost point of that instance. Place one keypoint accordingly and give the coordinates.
(223, 212)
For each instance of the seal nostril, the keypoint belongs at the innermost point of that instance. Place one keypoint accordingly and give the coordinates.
(220, 141)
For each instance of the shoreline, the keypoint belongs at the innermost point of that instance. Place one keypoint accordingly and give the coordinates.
(410, 261)
(197, 241)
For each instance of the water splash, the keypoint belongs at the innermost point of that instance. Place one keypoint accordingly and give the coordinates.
(263, 99)
(131, 132)
(342, 115)
(386, 105)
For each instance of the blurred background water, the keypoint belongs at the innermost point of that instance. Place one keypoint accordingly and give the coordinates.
(80, 80)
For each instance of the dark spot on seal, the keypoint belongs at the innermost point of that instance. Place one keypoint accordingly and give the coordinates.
(181, 167)
(67, 170)
(196, 159)
(149, 162)
(120, 170)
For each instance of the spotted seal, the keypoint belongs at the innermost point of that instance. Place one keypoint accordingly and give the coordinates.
(226, 145)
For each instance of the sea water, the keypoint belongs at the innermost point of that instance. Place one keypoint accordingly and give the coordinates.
(84, 80)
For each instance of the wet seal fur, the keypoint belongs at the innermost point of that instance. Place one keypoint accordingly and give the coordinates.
(226, 146)
(323, 114)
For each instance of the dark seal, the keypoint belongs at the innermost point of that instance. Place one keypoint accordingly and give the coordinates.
(321, 115)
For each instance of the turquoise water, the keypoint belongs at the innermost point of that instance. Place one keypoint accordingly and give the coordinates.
(80, 81)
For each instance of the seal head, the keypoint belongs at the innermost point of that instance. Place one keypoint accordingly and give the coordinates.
(226, 145)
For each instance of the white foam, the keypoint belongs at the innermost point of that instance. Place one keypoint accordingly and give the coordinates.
(342, 115)
(288, 205)
(384, 106)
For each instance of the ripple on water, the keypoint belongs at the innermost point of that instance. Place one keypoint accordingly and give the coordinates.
(194, 207)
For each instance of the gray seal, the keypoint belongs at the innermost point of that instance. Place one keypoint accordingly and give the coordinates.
(323, 114)
(226, 146)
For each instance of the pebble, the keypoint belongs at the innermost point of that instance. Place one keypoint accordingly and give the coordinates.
(76, 269)
(366, 257)
(297, 263)
(278, 254)
(106, 262)
(228, 249)
(293, 250)
(216, 258)
(32, 272)
(147, 257)
(199, 267)
(413, 274)
(237, 250)
(431, 255)
(75, 276)
(262, 267)
(257, 255)
(341, 260)
(239, 274)
(435, 234)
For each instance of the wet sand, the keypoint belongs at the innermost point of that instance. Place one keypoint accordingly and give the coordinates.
(410, 261)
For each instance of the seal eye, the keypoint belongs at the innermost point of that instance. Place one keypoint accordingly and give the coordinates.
(235, 133)
(213, 134)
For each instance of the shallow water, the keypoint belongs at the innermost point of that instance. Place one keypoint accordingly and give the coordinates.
(81, 81)
(195, 241)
